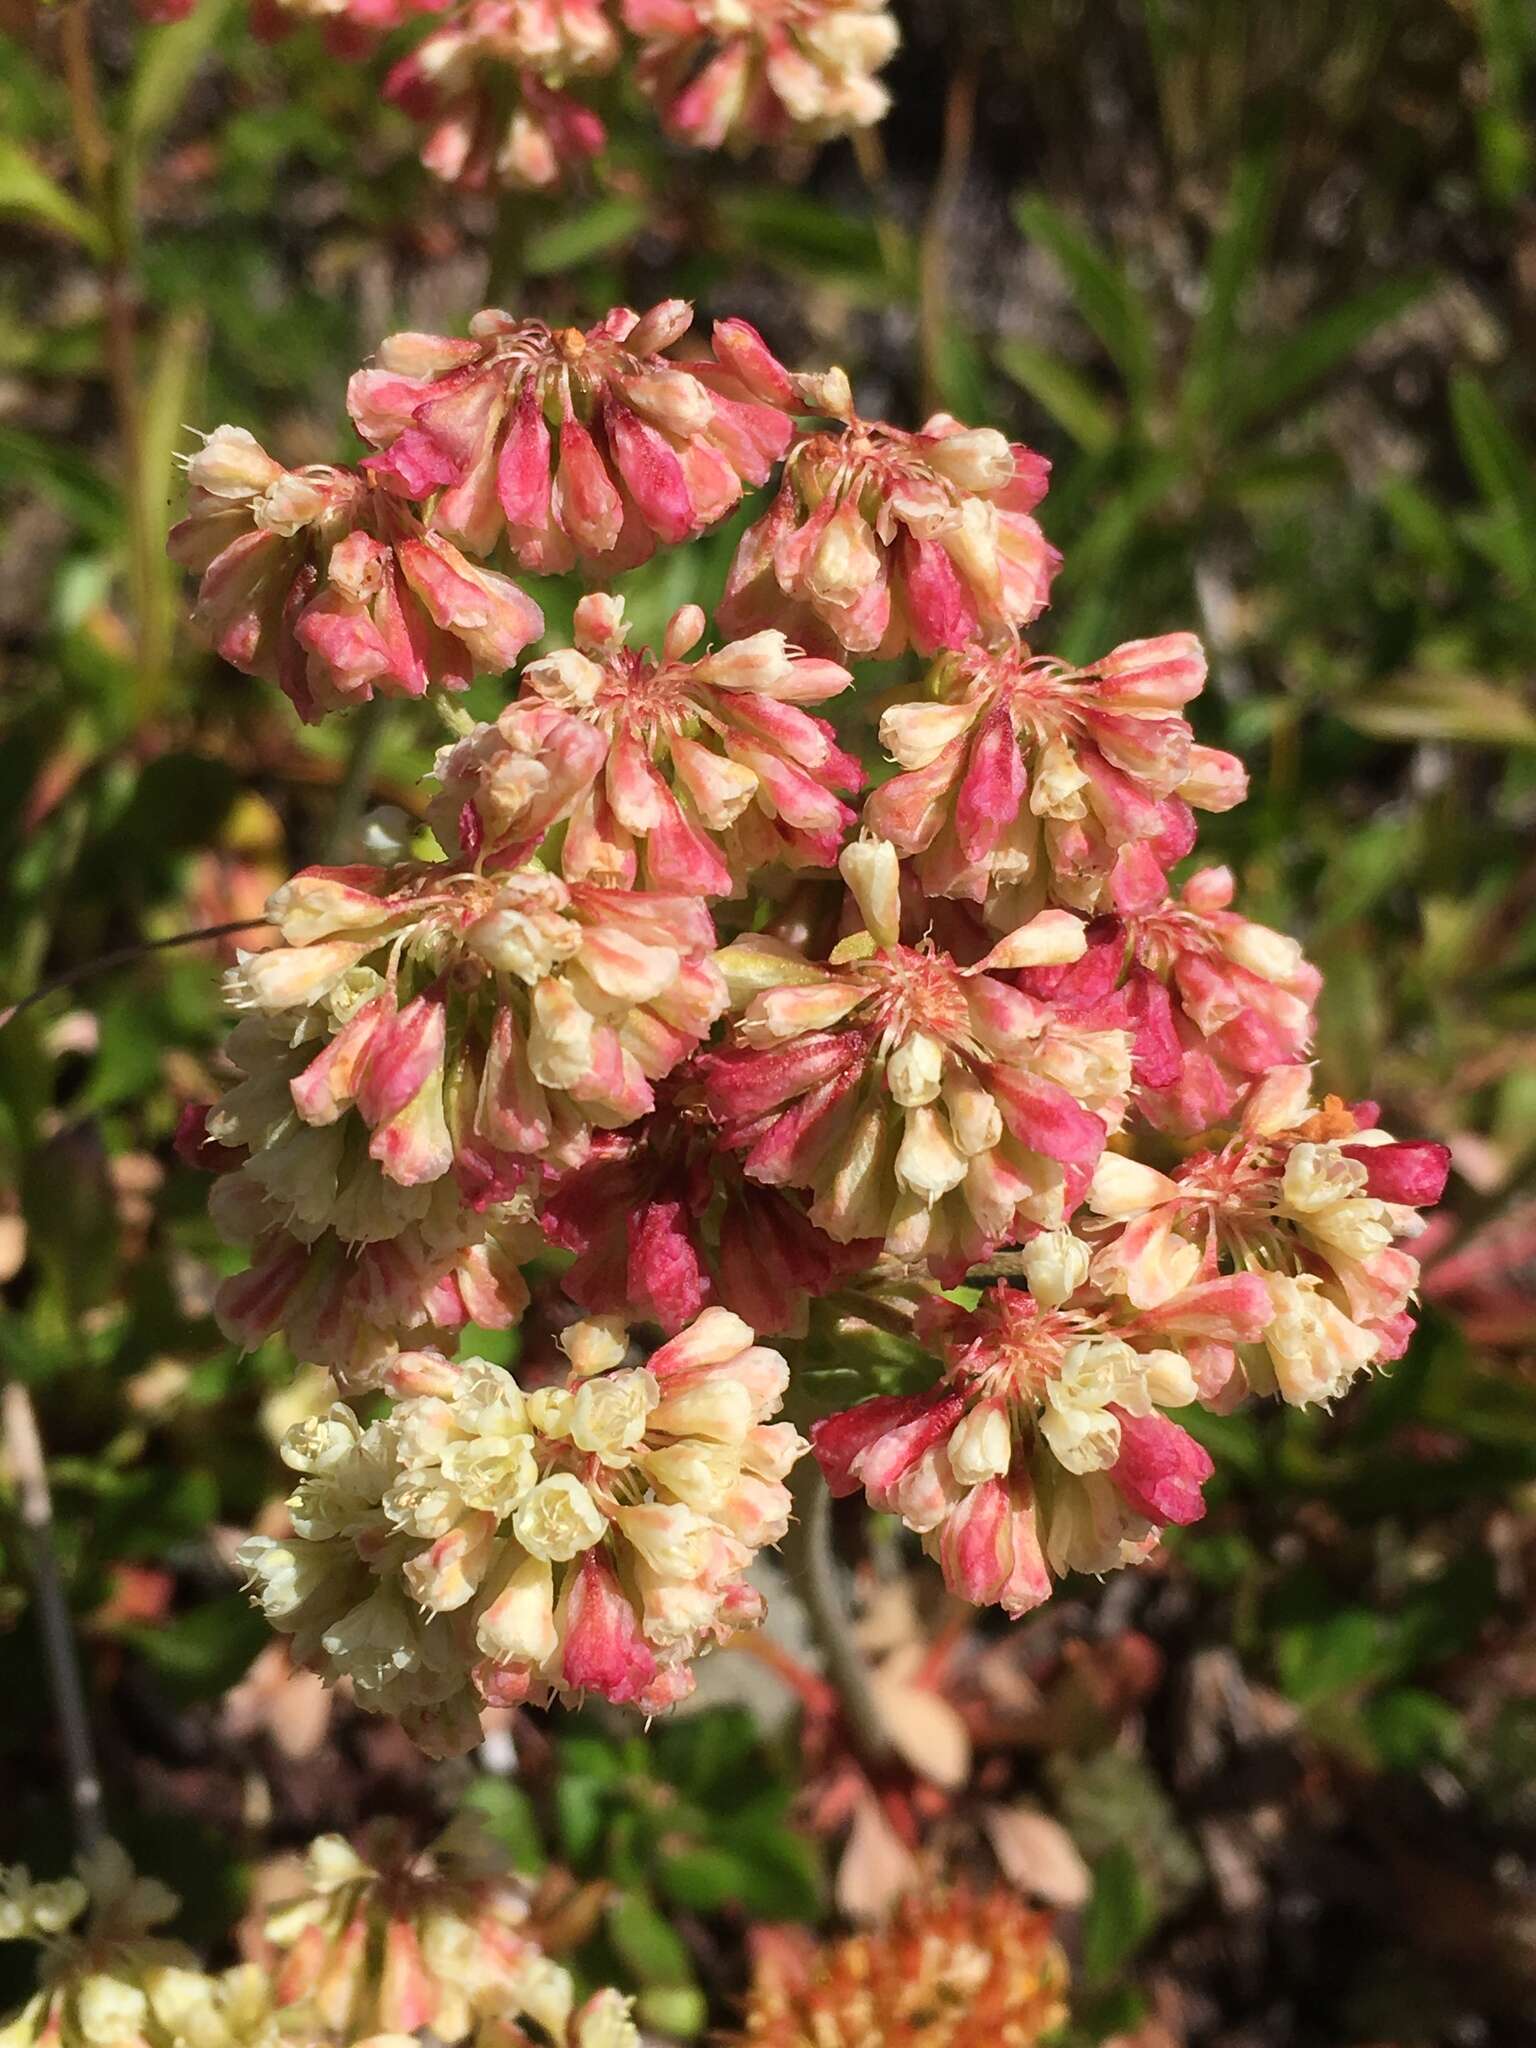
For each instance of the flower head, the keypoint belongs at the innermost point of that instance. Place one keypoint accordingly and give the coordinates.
(723, 73)
(1027, 781)
(1042, 1448)
(952, 1970)
(879, 540)
(491, 84)
(320, 581)
(696, 772)
(480, 1544)
(1311, 1202)
(930, 1107)
(664, 1223)
(576, 446)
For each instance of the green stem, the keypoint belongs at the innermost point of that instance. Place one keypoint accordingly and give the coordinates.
(356, 785)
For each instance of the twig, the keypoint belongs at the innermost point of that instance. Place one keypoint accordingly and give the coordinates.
(934, 246)
(814, 1570)
(124, 956)
(29, 1475)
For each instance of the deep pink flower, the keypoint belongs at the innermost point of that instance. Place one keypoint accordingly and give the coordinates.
(1160, 1469)
(1028, 781)
(706, 771)
(880, 540)
(320, 581)
(576, 446)
(604, 1650)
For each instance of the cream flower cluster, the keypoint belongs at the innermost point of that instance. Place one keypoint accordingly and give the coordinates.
(481, 1544)
(433, 1945)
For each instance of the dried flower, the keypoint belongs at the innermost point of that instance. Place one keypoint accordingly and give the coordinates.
(1030, 782)
(724, 73)
(879, 540)
(1310, 1201)
(320, 581)
(952, 1970)
(479, 1544)
(575, 446)
(692, 774)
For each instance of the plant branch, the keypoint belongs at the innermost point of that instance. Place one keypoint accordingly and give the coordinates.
(29, 1475)
(124, 956)
(813, 1567)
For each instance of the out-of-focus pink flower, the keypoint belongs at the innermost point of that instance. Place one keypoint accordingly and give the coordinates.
(1041, 1449)
(698, 773)
(931, 1107)
(575, 446)
(1313, 1201)
(879, 540)
(1029, 782)
(492, 86)
(352, 27)
(159, 12)
(726, 74)
(320, 581)
(665, 1223)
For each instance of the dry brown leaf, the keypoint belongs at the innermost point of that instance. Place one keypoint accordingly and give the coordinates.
(924, 1729)
(1038, 1855)
(876, 1867)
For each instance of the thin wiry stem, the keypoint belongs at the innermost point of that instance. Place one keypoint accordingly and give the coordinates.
(934, 246)
(29, 1475)
(817, 1578)
(124, 956)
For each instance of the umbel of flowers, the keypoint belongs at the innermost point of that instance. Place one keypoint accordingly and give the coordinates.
(508, 92)
(433, 1945)
(662, 1014)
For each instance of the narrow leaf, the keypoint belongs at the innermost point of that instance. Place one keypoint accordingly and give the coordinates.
(1062, 392)
(1104, 295)
(28, 192)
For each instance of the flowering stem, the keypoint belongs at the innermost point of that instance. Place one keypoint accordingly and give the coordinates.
(933, 249)
(817, 1578)
(124, 956)
(29, 1475)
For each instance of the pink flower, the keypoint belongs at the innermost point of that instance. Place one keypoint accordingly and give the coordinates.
(1041, 1449)
(705, 771)
(1215, 1000)
(645, 1215)
(880, 540)
(1289, 1197)
(1029, 782)
(604, 1650)
(318, 580)
(491, 85)
(577, 447)
(931, 1107)
(776, 69)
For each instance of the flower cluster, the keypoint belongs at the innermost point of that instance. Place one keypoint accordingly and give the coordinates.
(757, 1054)
(435, 1945)
(504, 88)
(951, 1970)
(479, 1543)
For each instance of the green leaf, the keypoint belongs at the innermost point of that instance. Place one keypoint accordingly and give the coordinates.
(1437, 707)
(1499, 464)
(204, 1652)
(1062, 392)
(27, 191)
(1338, 1654)
(168, 62)
(1104, 296)
(1118, 1917)
(1271, 380)
(596, 229)
(509, 1819)
(646, 1941)
(1234, 258)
